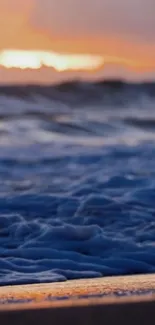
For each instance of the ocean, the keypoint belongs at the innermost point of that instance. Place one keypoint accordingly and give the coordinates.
(77, 181)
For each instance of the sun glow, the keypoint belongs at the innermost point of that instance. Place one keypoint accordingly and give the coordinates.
(60, 62)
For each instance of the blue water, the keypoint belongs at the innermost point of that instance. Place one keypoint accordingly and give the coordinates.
(77, 184)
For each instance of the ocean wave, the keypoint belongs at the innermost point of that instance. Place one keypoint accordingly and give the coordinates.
(77, 186)
(75, 92)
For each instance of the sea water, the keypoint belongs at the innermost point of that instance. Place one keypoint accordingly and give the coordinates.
(77, 181)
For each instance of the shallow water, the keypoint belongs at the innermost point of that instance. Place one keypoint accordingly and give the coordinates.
(77, 182)
(118, 294)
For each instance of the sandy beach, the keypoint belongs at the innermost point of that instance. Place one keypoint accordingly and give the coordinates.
(76, 288)
(112, 309)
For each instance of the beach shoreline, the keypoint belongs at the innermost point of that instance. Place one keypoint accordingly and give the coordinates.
(137, 308)
(83, 287)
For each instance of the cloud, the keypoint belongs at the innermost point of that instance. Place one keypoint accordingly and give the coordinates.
(132, 19)
(116, 28)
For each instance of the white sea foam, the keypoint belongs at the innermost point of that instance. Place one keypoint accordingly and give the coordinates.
(76, 190)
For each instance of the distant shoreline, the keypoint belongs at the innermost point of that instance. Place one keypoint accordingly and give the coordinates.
(87, 89)
(115, 82)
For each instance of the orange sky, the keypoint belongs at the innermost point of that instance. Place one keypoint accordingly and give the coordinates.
(52, 26)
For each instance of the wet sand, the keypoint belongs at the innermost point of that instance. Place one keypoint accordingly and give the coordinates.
(136, 309)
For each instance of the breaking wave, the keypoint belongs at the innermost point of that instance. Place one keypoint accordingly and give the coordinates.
(77, 181)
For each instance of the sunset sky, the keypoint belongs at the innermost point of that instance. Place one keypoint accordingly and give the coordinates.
(50, 40)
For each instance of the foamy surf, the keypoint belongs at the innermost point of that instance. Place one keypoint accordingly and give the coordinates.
(77, 182)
